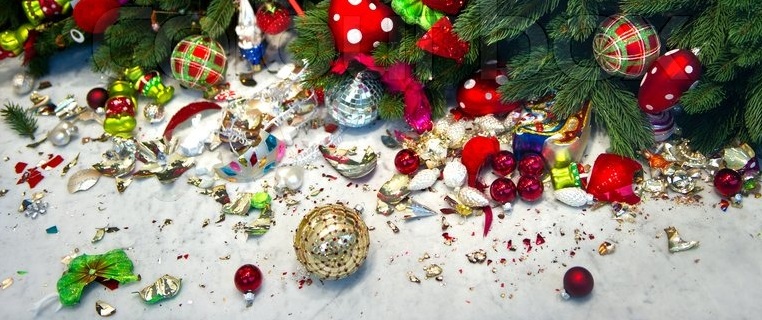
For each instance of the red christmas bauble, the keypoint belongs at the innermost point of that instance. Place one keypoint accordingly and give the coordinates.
(248, 278)
(578, 282)
(612, 177)
(529, 188)
(531, 165)
(450, 7)
(502, 190)
(503, 163)
(406, 161)
(97, 97)
(95, 16)
(273, 18)
(478, 96)
(728, 182)
(120, 106)
(359, 25)
(667, 79)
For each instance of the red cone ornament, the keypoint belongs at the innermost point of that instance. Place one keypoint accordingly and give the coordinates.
(357, 25)
(578, 282)
(441, 40)
(612, 177)
(668, 78)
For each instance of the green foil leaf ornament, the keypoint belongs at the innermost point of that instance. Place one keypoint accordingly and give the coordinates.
(113, 265)
(415, 12)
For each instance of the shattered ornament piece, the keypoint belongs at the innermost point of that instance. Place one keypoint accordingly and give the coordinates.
(6, 283)
(395, 190)
(424, 179)
(84, 269)
(680, 181)
(34, 207)
(676, 243)
(332, 241)
(606, 248)
(415, 210)
(83, 180)
(348, 163)
(262, 224)
(239, 206)
(260, 200)
(162, 289)
(154, 112)
(104, 309)
(289, 178)
(433, 271)
(454, 174)
(478, 256)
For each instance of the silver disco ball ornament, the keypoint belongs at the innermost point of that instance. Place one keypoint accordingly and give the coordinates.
(354, 101)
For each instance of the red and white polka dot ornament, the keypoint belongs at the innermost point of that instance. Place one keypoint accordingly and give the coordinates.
(667, 80)
(358, 26)
(478, 95)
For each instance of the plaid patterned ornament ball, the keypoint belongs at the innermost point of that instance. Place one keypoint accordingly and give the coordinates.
(198, 62)
(626, 45)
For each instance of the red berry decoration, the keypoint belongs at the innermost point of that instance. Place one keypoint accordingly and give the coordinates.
(728, 182)
(358, 25)
(529, 188)
(95, 16)
(478, 96)
(667, 79)
(273, 18)
(406, 161)
(502, 190)
(97, 97)
(531, 165)
(248, 278)
(578, 282)
(503, 163)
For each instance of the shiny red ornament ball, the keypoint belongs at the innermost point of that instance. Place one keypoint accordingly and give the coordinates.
(406, 161)
(95, 16)
(531, 165)
(248, 278)
(502, 190)
(97, 97)
(728, 182)
(503, 163)
(529, 188)
(578, 282)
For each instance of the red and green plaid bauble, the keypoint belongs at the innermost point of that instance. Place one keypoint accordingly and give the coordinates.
(198, 62)
(626, 45)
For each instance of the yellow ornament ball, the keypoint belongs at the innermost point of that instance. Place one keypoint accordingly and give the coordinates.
(332, 241)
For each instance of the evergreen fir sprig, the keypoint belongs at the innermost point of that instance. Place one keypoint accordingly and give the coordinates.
(19, 119)
(315, 41)
(391, 106)
(499, 20)
(217, 18)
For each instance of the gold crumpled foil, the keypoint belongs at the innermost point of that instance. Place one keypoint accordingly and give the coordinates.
(162, 289)
(677, 244)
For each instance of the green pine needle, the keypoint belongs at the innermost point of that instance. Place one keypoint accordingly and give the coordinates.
(20, 120)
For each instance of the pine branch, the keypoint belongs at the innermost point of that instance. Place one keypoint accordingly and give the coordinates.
(11, 16)
(391, 107)
(753, 112)
(711, 131)
(626, 125)
(314, 43)
(497, 20)
(705, 97)
(650, 8)
(19, 119)
(217, 18)
(577, 23)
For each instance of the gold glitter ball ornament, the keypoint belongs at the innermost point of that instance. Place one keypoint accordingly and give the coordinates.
(332, 241)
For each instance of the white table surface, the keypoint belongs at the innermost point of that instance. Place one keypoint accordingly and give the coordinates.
(640, 280)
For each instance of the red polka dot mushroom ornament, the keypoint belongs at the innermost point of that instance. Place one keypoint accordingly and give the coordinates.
(478, 95)
(668, 78)
(358, 26)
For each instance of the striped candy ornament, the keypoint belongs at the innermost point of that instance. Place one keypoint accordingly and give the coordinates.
(626, 45)
(663, 125)
(198, 62)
